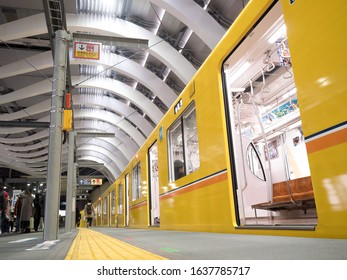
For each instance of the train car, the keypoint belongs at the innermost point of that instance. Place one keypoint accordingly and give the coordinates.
(257, 141)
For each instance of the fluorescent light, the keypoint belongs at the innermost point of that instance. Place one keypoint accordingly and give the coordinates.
(289, 93)
(239, 71)
(100, 68)
(237, 89)
(279, 33)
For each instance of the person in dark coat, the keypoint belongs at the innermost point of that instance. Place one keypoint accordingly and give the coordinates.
(26, 211)
(3, 208)
(78, 217)
(89, 213)
(37, 212)
(17, 210)
(42, 204)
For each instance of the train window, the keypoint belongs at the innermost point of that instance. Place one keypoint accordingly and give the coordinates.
(136, 182)
(183, 144)
(120, 199)
(177, 153)
(104, 205)
(113, 203)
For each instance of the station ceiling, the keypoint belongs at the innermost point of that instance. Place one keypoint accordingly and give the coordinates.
(125, 93)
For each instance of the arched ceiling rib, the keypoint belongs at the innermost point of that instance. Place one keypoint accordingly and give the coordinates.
(118, 107)
(101, 150)
(104, 158)
(86, 100)
(106, 170)
(134, 134)
(27, 148)
(122, 90)
(121, 141)
(121, 28)
(32, 26)
(44, 60)
(128, 98)
(200, 22)
(24, 140)
(102, 155)
(20, 166)
(121, 160)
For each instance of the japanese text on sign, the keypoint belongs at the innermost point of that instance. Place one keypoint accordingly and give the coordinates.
(85, 50)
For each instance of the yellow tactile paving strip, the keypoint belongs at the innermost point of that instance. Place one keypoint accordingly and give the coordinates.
(92, 245)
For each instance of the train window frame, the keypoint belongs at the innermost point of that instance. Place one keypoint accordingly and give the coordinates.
(104, 205)
(120, 199)
(113, 202)
(136, 182)
(180, 159)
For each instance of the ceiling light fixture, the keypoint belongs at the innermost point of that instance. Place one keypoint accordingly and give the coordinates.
(279, 33)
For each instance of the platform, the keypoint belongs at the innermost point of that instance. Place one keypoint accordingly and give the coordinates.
(135, 244)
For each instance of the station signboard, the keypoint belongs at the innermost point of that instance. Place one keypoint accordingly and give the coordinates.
(90, 182)
(86, 50)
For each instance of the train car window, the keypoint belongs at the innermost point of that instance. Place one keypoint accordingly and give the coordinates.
(184, 155)
(113, 203)
(99, 208)
(191, 141)
(177, 153)
(120, 199)
(136, 182)
(104, 205)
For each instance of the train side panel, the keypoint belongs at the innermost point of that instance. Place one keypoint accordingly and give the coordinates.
(203, 206)
(202, 203)
(206, 199)
(320, 65)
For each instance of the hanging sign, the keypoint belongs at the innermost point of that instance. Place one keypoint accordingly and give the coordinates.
(96, 182)
(90, 182)
(85, 50)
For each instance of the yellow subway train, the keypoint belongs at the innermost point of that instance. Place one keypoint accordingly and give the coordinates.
(257, 141)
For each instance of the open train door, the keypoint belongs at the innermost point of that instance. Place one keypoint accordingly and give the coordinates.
(154, 185)
(127, 203)
(271, 175)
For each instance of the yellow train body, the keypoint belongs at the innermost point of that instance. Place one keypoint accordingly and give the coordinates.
(207, 199)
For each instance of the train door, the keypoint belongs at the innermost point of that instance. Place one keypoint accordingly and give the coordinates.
(98, 212)
(269, 162)
(127, 205)
(120, 212)
(154, 185)
(112, 210)
(104, 220)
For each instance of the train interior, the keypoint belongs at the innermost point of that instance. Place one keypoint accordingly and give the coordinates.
(269, 159)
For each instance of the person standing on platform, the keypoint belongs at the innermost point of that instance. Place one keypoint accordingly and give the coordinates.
(11, 222)
(26, 211)
(3, 208)
(78, 217)
(37, 212)
(89, 213)
(7, 214)
(42, 206)
(17, 210)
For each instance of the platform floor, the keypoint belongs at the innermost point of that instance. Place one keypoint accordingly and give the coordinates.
(136, 244)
